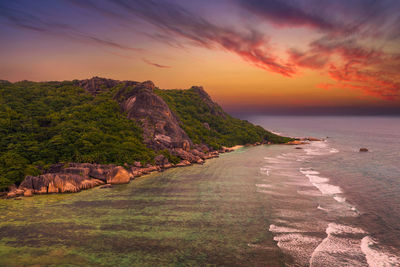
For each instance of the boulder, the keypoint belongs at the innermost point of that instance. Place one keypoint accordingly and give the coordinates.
(11, 194)
(19, 192)
(183, 163)
(363, 149)
(297, 142)
(58, 183)
(28, 193)
(118, 175)
(137, 164)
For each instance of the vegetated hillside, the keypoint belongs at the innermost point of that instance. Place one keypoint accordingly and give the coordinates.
(51, 122)
(107, 121)
(206, 122)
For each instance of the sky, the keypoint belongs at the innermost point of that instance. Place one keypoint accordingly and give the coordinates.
(251, 56)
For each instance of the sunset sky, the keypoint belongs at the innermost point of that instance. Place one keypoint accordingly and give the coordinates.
(273, 56)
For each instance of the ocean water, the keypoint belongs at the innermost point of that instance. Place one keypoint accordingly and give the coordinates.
(357, 194)
(271, 205)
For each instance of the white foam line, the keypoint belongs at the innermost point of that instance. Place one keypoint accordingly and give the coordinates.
(333, 245)
(377, 258)
(283, 229)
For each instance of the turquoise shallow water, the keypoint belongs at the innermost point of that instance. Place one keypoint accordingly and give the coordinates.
(204, 214)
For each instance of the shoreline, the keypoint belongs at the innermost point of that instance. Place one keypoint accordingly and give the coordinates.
(66, 181)
(75, 177)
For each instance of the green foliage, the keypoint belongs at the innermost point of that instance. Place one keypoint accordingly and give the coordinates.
(171, 158)
(46, 123)
(224, 130)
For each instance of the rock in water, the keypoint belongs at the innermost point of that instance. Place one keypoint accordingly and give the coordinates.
(363, 149)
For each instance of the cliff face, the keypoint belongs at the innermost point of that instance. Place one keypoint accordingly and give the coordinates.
(160, 126)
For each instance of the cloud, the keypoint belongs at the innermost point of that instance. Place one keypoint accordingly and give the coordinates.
(27, 21)
(155, 64)
(285, 14)
(175, 24)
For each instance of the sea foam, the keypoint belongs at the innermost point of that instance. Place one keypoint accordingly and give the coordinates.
(376, 258)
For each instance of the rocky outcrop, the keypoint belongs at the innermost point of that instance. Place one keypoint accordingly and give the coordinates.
(58, 183)
(74, 177)
(363, 149)
(160, 126)
(96, 85)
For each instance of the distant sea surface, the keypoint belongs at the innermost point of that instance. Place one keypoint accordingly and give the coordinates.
(363, 220)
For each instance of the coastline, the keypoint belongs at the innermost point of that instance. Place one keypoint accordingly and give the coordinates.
(64, 177)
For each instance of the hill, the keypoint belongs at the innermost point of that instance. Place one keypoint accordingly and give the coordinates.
(104, 121)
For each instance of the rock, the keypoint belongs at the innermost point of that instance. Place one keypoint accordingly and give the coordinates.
(106, 186)
(18, 198)
(198, 153)
(200, 161)
(185, 155)
(297, 142)
(297, 147)
(137, 164)
(58, 183)
(183, 163)
(96, 85)
(185, 145)
(118, 175)
(313, 139)
(28, 193)
(207, 126)
(160, 125)
(167, 166)
(19, 192)
(363, 149)
(11, 194)
(161, 160)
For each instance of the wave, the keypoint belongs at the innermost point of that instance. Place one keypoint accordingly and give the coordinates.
(320, 148)
(341, 247)
(376, 258)
(321, 182)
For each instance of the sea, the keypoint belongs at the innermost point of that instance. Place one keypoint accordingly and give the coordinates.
(332, 187)
(319, 204)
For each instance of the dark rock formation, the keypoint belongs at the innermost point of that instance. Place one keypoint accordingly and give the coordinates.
(363, 149)
(96, 85)
(160, 126)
